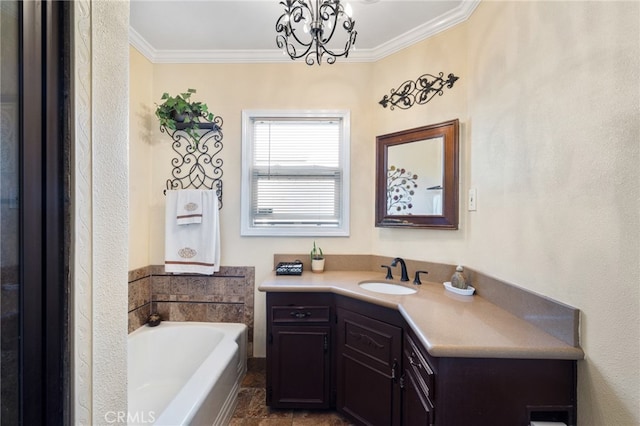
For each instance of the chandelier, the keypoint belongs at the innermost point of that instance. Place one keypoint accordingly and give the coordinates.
(306, 28)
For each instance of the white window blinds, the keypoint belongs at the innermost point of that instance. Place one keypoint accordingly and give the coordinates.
(296, 175)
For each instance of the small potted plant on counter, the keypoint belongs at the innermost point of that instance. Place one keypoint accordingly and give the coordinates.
(317, 259)
(181, 113)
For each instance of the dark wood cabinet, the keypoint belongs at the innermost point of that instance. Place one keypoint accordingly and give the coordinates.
(301, 367)
(417, 384)
(299, 352)
(369, 355)
(486, 391)
(504, 392)
(416, 407)
(331, 351)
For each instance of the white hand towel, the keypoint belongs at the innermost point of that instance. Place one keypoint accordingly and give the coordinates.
(189, 206)
(193, 248)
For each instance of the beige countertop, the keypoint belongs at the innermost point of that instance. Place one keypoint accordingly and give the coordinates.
(448, 325)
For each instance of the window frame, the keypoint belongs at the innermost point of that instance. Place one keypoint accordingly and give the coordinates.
(246, 226)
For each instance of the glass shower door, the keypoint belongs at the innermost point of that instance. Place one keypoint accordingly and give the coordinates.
(9, 213)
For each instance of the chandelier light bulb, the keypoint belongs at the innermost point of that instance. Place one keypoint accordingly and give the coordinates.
(348, 10)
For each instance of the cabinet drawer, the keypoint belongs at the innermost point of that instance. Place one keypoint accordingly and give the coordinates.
(419, 366)
(290, 314)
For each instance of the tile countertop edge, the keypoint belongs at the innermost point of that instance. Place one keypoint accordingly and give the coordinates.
(485, 331)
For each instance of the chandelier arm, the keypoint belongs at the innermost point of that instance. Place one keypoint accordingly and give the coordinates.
(323, 20)
(291, 50)
(347, 47)
(294, 11)
(310, 60)
(328, 16)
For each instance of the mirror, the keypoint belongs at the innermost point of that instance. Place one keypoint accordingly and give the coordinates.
(417, 177)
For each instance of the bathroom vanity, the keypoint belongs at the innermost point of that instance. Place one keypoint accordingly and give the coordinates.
(429, 358)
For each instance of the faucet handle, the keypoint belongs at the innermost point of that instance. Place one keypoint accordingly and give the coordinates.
(416, 280)
(389, 276)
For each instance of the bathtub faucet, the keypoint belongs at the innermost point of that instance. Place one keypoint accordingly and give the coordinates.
(403, 268)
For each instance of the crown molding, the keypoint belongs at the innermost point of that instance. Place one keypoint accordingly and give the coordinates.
(437, 25)
(424, 31)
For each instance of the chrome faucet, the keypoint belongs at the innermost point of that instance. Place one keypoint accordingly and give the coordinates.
(403, 268)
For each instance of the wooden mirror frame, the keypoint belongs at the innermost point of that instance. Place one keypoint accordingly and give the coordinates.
(449, 131)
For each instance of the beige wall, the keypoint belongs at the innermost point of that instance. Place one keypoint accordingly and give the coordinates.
(142, 124)
(228, 89)
(548, 103)
(444, 53)
(554, 113)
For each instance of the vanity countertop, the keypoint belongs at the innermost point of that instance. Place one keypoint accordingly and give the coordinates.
(449, 325)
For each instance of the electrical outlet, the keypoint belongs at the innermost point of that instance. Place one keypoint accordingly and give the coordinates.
(473, 195)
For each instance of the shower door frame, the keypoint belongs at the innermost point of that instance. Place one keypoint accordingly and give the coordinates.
(44, 225)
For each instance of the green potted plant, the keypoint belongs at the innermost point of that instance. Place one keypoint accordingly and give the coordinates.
(181, 113)
(317, 259)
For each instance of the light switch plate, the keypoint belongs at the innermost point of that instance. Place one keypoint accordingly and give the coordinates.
(473, 194)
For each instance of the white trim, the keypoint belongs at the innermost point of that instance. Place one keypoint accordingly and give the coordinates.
(428, 29)
(99, 218)
(245, 193)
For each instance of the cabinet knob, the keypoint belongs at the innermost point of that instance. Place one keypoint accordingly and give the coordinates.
(299, 314)
(413, 362)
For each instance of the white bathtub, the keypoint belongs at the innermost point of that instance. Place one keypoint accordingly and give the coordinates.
(185, 373)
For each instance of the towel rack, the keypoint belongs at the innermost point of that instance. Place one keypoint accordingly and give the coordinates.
(197, 165)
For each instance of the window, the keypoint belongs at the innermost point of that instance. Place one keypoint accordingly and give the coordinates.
(295, 173)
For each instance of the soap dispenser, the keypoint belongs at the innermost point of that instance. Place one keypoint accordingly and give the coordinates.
(458, 279)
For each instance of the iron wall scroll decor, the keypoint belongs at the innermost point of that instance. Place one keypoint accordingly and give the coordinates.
(196, 165)
(420, 91)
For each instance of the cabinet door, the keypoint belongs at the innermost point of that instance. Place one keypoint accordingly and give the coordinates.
(369, 354)
(300, 367)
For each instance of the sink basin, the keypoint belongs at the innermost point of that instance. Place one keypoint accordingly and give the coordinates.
(387, 288)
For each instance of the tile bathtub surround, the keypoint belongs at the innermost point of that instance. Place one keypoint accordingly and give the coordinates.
(555, 318)
(226, 296)
(139, 297)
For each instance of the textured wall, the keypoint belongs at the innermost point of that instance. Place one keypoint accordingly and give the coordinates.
(110, 69)
(100, 210)
(554, 151)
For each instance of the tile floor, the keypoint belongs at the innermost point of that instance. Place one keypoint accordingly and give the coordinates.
(252, 411)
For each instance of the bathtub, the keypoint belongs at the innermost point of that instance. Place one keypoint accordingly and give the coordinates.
(185, 373)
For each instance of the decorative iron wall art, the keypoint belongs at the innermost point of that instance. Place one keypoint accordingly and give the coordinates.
(418, 91)
(196, 165)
